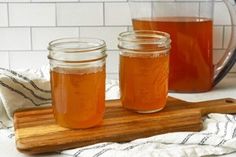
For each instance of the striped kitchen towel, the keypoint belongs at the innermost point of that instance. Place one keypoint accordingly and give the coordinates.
(22, 89)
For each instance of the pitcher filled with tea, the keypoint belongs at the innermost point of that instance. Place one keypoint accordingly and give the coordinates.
(190, 25)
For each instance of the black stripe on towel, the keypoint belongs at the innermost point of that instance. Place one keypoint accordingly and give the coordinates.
(234, 133)
(27, 79)
(226, 128)
(227, 117)
(221, 142)
(95, 147)
(134, 146)
(217, 128)
(11, 135)
(234, 117)
(102, 152)
(124, 149)
(204, 139)
(111, 87)
(31, 91)
(20, 93)
(187, 138)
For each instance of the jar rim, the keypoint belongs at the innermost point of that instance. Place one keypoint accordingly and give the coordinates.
(57, 45)
(77, 50)
(156, 37)
(132, 40)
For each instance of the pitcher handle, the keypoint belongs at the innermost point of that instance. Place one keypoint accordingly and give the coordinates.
(227, 61)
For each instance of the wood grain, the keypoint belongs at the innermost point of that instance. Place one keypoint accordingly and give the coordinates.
(37, 132)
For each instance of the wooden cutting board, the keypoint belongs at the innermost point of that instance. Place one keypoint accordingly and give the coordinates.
(36, 131)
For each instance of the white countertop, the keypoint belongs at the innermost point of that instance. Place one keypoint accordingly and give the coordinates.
(225, 89)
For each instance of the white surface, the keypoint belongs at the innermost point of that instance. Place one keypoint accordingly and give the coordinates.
(27, 14)
(3, 15)
(221, 17)
(53, 1)
(34, 59)
(103, 0)
(182, 9)
(117, 14)
(4, 63)
(15, 39)
(109, 34)
(42, 36)
(83, 14)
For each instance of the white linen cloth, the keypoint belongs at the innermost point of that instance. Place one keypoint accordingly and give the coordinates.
(24, 89)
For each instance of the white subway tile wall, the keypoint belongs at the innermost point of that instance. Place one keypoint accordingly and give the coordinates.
(109, 34)
(42, 36)
(26, 27)
(221, 14)
(79, 14)
(15, 39)
(31, 14)
(27, 59)
(117, 14)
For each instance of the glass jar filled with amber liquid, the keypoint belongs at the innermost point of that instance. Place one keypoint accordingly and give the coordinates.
(144, 69)
(77, 68)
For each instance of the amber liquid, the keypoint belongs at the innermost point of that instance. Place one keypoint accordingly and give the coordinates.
(78, 97)
(144, 82)
(191, 65)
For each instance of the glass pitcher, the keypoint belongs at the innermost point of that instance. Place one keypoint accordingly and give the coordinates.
(190, 25)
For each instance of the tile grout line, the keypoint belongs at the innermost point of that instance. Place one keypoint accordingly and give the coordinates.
(31, 39)
(56, 23)
(8, 56)
(77, 1)
(199, 9)
(72, 26)
(8, 17)
(104, 22)
(223, 37)
(42, 50)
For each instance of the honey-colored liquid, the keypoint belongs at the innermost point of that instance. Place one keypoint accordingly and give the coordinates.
(191, 65)
(78, 96)
(144, 82)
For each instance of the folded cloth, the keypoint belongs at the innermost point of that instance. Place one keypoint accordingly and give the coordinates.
(31, 88)
(22, 89)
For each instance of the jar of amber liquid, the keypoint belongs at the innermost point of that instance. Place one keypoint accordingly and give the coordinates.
(77, 68)
(144, 68)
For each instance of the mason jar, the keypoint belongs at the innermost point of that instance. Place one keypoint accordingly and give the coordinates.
(144, 68)
(77, 70)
